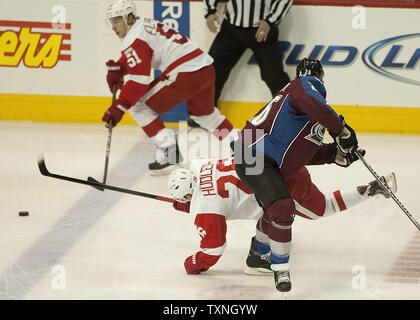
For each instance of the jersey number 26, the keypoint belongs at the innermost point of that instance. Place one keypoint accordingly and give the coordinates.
(222, 181)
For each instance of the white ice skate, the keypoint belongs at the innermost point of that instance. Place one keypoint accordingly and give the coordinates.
(374, 188)
(167, 160)
(282, 277)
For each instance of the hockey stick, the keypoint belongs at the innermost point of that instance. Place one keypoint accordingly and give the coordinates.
(108, 148)
(388, 190)
(44, 171)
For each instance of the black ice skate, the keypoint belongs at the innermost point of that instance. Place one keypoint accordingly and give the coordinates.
(257, 263)
(282, 277)
(374, 188)
(167, 160)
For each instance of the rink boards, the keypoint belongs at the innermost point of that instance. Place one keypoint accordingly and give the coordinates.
(371, 68)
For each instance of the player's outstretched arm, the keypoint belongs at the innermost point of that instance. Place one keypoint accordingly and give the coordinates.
(212, 230)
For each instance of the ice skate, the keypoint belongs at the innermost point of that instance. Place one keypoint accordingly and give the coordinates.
(257, 263)
(282, 277)
(374, 188)
(167, 160)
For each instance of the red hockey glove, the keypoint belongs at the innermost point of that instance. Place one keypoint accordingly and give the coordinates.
(182, 206)
(193, 264)
(116, 111)
(115, 76)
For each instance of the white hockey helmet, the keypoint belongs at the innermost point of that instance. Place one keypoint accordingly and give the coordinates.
(180, 184)
(121, 8)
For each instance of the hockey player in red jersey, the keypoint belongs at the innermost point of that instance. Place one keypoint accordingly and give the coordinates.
(187, 75)
(212, 193)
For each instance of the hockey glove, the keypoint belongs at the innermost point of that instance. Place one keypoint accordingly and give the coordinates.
(115, 76)
(182, 206)
(193, 264)
(335, 155)
(346, 139)
(116, 111)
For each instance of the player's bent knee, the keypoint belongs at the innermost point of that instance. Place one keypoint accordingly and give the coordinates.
(281, 211)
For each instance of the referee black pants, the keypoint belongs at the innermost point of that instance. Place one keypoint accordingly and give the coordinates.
(229, 45)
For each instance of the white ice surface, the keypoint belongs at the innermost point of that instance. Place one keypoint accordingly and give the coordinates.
(81, 243)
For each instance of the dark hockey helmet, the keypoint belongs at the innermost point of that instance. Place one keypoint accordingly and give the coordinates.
(309, 67)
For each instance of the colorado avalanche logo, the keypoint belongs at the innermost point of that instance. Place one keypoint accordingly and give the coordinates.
(317, 134)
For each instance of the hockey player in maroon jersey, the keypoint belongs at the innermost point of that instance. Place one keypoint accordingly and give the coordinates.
(187, 75)
(285, 135)
(212, 193)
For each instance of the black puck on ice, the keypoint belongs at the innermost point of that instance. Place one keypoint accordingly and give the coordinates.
(23, 213)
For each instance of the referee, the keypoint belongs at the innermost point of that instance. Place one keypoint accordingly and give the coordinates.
(248, 24)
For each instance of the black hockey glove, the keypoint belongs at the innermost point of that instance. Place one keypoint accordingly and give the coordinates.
(335, 155)
(346, 139)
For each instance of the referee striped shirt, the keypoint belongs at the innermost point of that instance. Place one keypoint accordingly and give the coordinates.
(247, 13)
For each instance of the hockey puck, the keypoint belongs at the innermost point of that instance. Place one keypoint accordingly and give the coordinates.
(23, 213)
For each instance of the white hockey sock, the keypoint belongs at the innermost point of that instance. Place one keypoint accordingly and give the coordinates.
(262, 237)
(165, 138)
(342, 200)
(211, 121)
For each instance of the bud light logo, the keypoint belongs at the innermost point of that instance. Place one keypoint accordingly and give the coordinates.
(394, 57)
(391, 62)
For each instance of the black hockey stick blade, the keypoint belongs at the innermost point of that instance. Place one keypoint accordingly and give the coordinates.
(90, 179)
(44, 171)
(388, 190)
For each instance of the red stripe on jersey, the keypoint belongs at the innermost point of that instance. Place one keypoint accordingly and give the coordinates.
(123, 65)
(136, 60)
(133, 91)
(183, 59)
(212, 230)
(207, 260)
(223, 130)
(340, 201)
(154, 127)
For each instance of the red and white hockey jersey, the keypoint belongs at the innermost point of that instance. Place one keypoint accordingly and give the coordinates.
(149, 45)
(219, 195)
